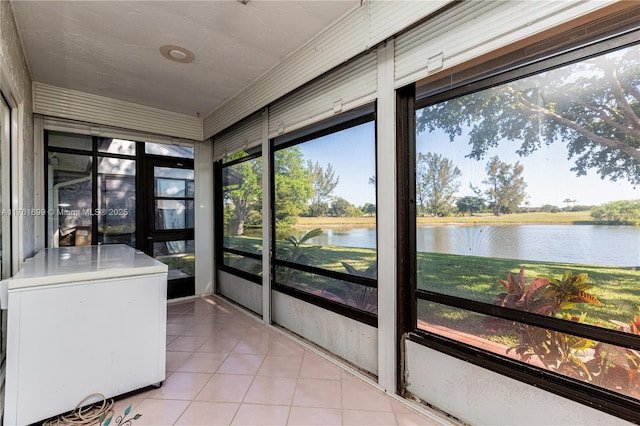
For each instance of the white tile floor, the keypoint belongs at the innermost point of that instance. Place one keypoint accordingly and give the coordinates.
(226, 368)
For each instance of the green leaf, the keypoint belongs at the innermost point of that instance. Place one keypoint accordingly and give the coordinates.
(102, 417)
(137, 416)
(311, 234)
(108, 421)
(127, 410)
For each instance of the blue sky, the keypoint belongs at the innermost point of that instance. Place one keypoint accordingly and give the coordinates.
(546, 171)
(351, 152)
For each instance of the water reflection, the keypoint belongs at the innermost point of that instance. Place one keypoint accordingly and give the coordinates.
(586, 244)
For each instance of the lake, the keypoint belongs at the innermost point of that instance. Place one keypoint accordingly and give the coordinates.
(587, 244)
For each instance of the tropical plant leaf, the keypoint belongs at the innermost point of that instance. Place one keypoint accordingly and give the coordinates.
(311, 234)
(583, 297)
(350, 269)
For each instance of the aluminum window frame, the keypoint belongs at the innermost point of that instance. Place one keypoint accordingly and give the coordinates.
(600, 398)
(347, 120)
(219, 167)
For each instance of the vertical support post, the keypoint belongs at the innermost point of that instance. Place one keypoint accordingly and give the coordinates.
(386, 220)
(266, 219)
(204, 217)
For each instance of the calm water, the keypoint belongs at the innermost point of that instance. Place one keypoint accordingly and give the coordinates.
(589, 244)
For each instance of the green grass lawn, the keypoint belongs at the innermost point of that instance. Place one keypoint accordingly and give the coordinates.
(477, 278)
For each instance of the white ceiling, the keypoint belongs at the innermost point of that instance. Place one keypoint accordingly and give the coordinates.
(110, 48)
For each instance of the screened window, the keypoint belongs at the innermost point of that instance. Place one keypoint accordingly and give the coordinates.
(526, 218)
(91, 190)
(324, 217)
(241, 194)
(168, 150)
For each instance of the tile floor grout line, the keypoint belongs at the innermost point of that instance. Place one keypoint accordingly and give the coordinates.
(307, 350)
(343, 366)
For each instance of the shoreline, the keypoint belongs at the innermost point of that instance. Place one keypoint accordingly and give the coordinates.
(564, 218)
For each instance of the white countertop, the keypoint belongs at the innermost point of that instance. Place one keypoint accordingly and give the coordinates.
(73, 264)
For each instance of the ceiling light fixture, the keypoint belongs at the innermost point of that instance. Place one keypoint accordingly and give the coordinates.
(177, 54)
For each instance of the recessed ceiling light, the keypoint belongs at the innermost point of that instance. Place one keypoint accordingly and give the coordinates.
(177, 54)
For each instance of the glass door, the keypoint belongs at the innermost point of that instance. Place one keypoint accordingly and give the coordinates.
(169, 228)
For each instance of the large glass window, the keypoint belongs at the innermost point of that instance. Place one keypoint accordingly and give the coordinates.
(241, 177)
(324, 217)
(91, 189)
(527, 242)
(116, 201)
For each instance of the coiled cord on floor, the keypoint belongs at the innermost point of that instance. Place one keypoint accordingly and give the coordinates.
(85, 415)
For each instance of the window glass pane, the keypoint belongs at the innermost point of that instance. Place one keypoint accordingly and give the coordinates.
(325, 197)
(527, 197)
(168, 150)
(242, 201)
(174, 214)
(116, 201)
(357, 296)
(174, 182)
(608, 366)
(178, 255)
(242, 197)
(117, 146)
(243, 263)
(69, 140)
(69, 192)
(170, 187)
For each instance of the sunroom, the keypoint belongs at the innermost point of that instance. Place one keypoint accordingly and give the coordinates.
(366, 212)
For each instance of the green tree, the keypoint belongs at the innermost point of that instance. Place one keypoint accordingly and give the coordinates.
(293, 187)
(242, 192)
(506, 185)
(369, 209)
(623, 212)
(324, 182)
(593, 106)
(470, 204)
(436, 183)
(342, 208)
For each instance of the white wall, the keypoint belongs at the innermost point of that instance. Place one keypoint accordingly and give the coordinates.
(243, 292)
(15, 82)
(203, 200)
(349, 339)
(481, 397)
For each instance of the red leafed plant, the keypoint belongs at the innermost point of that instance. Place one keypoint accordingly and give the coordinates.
(605, 365)
(547, 296)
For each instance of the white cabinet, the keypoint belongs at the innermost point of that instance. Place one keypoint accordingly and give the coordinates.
(83, 320)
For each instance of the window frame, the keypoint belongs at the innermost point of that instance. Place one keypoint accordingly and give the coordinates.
(341, 122)
(603, 399)
(219, 167)
(94, 153)
(6, 176)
